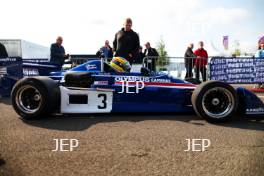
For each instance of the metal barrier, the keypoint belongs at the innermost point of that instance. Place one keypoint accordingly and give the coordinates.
(234, 70)
(181, 67)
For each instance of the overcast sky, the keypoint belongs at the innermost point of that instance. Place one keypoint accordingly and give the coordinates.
(85, 25)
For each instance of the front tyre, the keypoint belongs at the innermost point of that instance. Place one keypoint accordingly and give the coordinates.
(35, 97)
(215, 101)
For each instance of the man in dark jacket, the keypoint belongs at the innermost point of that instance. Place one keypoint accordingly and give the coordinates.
(57, 53)
(189, 58)
(3, 53)
(106, 51)
(140, 56)
(126, 42)
(152, 57)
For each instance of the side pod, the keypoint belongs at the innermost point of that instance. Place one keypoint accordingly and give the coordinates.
(251, 103)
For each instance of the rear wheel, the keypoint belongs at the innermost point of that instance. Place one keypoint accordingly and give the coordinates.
(215, 101)
(35, 97)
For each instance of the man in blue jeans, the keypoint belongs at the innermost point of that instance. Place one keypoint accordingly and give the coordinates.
(57, 53)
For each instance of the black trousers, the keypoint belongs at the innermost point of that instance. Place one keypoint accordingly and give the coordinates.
(150, 63)
(189, 71)
(201, 70)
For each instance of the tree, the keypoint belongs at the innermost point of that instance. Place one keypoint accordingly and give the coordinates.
(163, 55)
(237, 51)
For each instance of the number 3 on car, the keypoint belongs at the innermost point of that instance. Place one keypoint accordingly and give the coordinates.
(76, 100)
(104, 101)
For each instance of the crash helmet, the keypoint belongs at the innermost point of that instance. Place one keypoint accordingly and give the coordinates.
(120, 64)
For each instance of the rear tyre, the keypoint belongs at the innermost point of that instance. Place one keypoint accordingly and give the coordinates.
(35, 97)
(215, 101)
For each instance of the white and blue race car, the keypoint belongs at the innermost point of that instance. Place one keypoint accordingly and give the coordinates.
(99, 87)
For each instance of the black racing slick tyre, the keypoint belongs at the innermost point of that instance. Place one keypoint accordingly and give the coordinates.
(35, 97)
(215, 101)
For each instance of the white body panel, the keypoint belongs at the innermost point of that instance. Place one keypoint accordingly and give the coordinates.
(99, 100)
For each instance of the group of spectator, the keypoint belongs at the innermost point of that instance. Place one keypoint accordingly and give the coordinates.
(106, 51)
(126, 45)
(196, 60)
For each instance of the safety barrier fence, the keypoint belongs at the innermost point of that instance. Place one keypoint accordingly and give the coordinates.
(238, 70)
(179, 67)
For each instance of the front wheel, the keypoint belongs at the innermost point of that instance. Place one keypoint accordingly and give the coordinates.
(35, 97)
(215, 101)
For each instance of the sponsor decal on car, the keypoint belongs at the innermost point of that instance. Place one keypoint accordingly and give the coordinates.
(140, 78)
(90, 66)
(151, 82)
(254, 110)
(30, 72)
(8, 59)
(101, 83)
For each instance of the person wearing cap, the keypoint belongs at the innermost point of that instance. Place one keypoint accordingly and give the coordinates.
(57, 52)
(151, 55)
(126, 42)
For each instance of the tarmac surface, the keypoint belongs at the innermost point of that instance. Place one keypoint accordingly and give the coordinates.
(129, 144)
